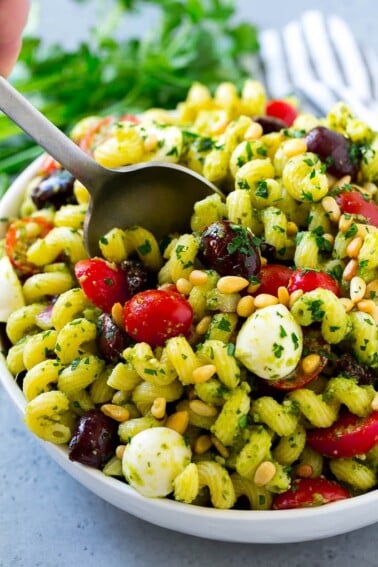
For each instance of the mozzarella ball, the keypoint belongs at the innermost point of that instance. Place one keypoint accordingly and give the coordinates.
(153, 459)
(270, 342)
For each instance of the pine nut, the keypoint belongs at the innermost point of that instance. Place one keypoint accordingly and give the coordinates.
(341, 182)
(264, 473)
(252, 288)
(347, 304)
(245, 306)
(364, 229)
(202, 444)
(292, 228)
(178, 421)
(198, 277)
(264, 300)
(354, 247)
(117, 315)
(231, 284)
(200, 408)
(357, 289)
(158, 408)
(283, 295)
(118, 413)
(203, 325)
(329, 237)
(203, 373)
(310, 363)
(119, 451)
(345, 222)
(294, 147)
(350, 270)
(222, 450)
(331, 207)
(372, 289)
(184, 286)
(304, 470)
(294, 296)
(366, 306)
(254, 131)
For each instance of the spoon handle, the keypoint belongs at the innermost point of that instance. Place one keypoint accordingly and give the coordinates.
(49, 137)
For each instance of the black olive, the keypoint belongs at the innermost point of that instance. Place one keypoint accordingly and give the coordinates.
(54, 190)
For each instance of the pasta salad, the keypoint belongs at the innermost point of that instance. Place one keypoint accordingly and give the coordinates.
(234, 366)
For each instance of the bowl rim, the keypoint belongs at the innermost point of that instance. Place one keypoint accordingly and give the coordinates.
(243, 526)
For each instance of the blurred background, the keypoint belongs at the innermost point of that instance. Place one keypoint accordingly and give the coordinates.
(84, 57)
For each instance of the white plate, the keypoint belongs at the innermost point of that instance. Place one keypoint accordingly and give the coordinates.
(281, 526)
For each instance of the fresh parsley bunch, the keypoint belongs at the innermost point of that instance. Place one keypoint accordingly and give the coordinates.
(194, 40)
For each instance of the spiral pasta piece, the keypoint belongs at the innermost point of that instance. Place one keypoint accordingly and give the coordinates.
(60, 240)
(49, 417)
(217, 479)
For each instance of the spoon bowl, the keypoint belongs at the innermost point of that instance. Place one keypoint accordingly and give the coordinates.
(159, 196)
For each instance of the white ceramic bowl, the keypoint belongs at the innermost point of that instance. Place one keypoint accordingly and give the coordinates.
(281, 526)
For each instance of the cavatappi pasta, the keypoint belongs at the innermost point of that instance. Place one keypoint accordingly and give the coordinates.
(219, 416)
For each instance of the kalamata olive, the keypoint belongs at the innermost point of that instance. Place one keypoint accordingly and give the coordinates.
(137, 277)
(334, 150)
(111, 340)
(270, 124)
(54, 190)
(230, 249)
(94, 440)
(346, 364)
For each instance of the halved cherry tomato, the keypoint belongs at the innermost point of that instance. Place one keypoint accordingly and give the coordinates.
(349, 436)
(282, 110)
(19, 237)
(102, 282)
(313, 343)
(155, 315)
(308, 492)
(308, 280)
(353, 202)
(273, 276)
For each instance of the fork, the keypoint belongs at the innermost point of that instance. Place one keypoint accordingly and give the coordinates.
(319, 59)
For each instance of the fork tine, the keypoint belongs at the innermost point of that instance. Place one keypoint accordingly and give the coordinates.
(320, 49)
(274, 67)
(350, 58)
(301, 71)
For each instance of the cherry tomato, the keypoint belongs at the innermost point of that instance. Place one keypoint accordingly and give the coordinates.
(313, 343)
(87, 140)
(19, 237)
(129, 118)
(155, 315)
(49, 165)
(102, 282)
(353, 202)
(308, 280)
(308, 492)
(349, 436)
(282, 110)
(273, 276)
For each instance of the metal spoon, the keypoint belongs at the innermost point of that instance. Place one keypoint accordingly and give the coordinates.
(158, 196)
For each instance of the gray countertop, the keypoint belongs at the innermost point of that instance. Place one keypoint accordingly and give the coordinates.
(47, 519)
